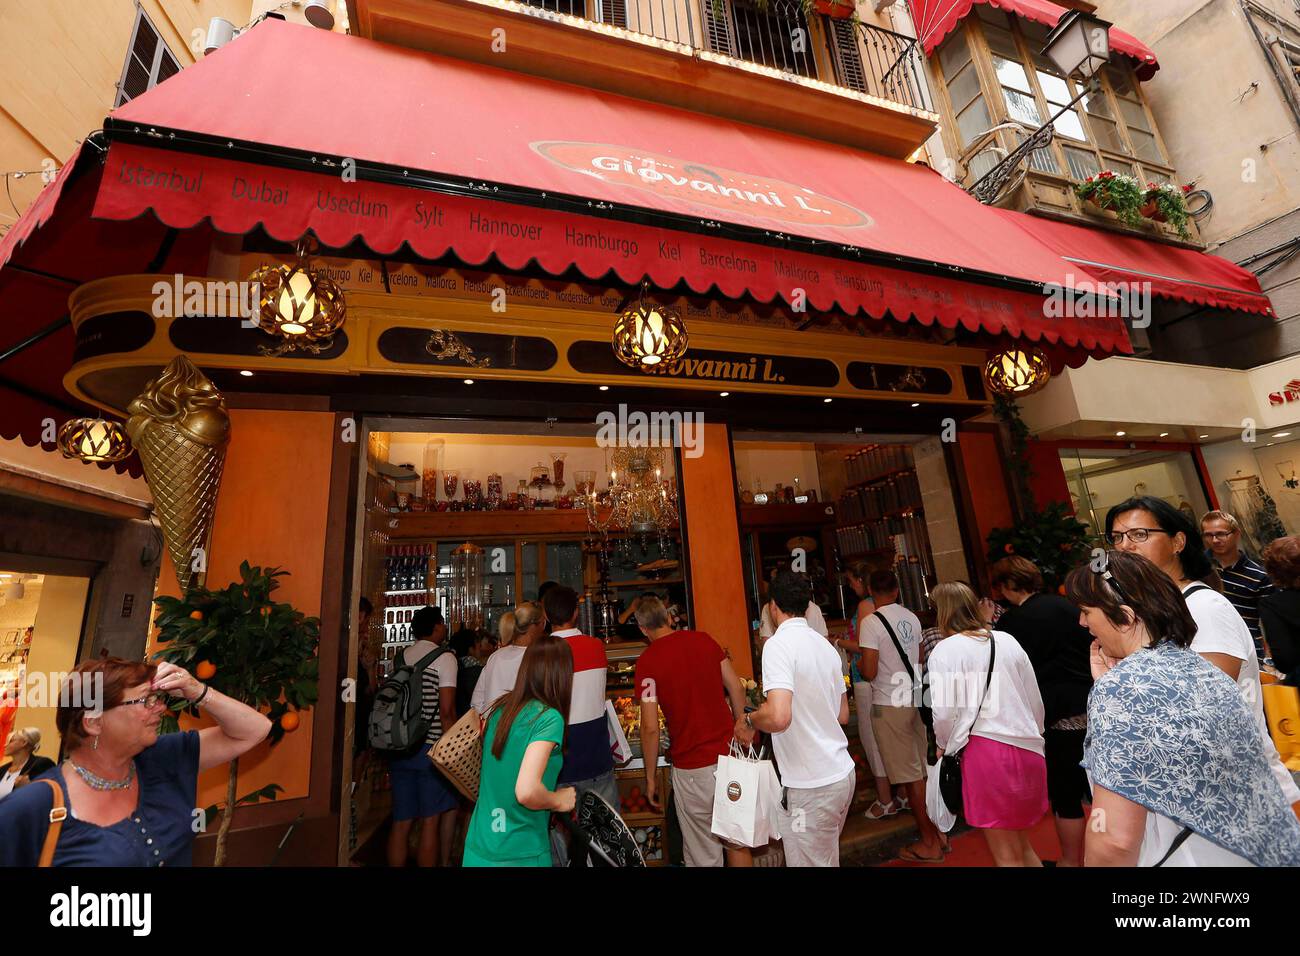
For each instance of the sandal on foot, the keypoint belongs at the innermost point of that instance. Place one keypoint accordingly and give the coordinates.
(879, 811)
(909, 855)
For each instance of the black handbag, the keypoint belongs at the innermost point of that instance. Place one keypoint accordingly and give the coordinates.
(950, 765)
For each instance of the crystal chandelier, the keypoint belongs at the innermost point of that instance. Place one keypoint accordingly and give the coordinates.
(640, 501)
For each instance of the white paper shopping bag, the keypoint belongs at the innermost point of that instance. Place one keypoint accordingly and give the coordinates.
(619, 748)
(743, 800)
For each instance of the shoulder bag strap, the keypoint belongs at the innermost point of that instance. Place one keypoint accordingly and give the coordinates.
(1194, 588)
(897, 646)
(988, 680)
(58, 813)
(1179, 840)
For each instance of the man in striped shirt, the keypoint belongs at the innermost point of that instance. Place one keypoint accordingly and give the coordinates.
(588, 761)
(1244, 580)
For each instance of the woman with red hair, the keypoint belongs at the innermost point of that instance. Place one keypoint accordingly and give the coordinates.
(128, 792)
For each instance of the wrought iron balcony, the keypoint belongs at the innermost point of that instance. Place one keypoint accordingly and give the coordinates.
(774, 63)
(781, 34)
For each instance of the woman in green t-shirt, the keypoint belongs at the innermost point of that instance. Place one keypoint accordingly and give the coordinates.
(522, 753)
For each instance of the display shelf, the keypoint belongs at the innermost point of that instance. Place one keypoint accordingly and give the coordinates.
(872, 553)
(868, 482)
(755, 517)
(647, 583)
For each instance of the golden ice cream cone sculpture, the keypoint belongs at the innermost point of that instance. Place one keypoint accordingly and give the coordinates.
(180, 428)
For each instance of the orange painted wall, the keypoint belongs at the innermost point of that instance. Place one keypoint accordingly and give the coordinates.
(986, 479)
(271, 511)
(713, 532)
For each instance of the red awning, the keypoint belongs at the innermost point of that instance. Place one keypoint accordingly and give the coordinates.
(1172, 271)
(462, 158)
(715, 189)
(935, 19)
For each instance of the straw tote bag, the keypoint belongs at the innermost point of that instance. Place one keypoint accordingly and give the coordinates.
(459, 753)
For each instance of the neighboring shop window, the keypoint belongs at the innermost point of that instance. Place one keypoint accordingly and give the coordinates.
(1113, 130)
(1100, 478)
(148, 63)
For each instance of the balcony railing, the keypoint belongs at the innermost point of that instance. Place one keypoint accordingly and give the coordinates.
(776, 34)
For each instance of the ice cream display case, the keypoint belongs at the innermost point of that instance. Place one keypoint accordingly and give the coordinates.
(648, 825)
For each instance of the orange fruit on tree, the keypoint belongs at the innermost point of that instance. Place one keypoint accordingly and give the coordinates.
(289, 722)
(206, 670)
(196, 615)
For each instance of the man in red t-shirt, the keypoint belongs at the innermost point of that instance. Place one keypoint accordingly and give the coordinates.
(686, 673)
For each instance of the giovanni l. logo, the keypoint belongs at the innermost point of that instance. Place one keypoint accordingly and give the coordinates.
(703, 184)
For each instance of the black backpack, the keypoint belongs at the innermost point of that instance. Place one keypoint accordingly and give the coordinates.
(397, 724)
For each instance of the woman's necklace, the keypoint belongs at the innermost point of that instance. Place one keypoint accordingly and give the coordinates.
(96, 782)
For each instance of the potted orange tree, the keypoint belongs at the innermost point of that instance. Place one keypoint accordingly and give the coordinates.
(250, 647)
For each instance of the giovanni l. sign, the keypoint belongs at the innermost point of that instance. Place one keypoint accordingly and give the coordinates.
(703, 184)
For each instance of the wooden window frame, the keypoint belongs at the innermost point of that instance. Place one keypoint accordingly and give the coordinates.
(991, 90)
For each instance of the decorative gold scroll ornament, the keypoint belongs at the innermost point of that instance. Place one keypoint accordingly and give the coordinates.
(443, 343)
(180, 427)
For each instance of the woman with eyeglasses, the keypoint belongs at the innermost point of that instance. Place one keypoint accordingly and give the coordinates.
(129, 792)
(1170, 540)
(1180, 776)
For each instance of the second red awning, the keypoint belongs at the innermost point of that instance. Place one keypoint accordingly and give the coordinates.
(1172, 272)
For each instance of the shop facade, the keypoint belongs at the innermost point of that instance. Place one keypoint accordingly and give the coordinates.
(841, 309)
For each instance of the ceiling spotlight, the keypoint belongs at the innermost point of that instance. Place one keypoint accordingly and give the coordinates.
(1204, 436)
(319, 15)
(827, 400)
(723, 394)
(604, 388)
(916, 404)
(1164, 434)
(1120, 434)
(469, 381)
(246, 373)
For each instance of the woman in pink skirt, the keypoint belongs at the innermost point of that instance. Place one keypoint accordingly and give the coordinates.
(999, 736)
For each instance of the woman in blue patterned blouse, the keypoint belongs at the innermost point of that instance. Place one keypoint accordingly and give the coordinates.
(1178, 769)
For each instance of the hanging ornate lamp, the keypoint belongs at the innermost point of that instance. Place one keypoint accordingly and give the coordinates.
(299, 303)
(1016, 372)
(648, 335)
(93, 439)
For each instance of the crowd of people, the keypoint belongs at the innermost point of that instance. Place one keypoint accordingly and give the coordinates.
(1068, 704)
(1128, 706)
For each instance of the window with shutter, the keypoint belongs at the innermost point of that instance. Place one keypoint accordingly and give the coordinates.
(614, 12)
(148, 62)
(843, 37)
(717, 25)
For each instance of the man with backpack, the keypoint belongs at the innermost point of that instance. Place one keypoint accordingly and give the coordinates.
(412, 709)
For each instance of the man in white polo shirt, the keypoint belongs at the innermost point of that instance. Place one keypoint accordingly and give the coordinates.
(806, 709)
